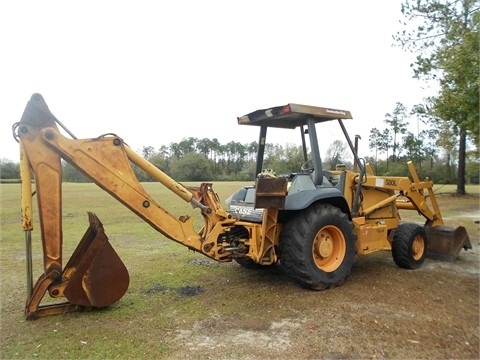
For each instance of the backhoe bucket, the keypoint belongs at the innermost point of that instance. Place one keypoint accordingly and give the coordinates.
(446, 242)
(97, 276)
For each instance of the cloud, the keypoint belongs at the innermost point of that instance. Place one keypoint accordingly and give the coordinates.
(156, 72)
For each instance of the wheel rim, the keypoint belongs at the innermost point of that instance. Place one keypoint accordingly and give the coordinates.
(418, 247)
(329, 248)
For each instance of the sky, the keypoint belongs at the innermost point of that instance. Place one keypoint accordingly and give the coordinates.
(156, 72)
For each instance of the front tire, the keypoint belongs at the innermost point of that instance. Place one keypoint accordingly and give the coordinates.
(409, 247)
(317, 247)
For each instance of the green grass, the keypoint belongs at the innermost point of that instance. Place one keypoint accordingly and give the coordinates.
(9, 181)
(453, 206)
(130, 328)
(451, 189)
(146, 321)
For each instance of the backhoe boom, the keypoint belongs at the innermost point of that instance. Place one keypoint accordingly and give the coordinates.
(107, 161)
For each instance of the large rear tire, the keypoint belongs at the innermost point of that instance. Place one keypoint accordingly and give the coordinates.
(409, 247)
(317, 247)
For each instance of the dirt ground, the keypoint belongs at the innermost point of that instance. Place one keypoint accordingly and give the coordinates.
(381, 312)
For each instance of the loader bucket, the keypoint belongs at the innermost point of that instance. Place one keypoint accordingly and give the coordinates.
(446, 242)
(96, 275)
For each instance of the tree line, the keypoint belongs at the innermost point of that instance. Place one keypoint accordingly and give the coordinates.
(194, 159)
(433, 150)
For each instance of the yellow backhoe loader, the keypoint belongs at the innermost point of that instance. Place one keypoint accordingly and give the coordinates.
(312, 222)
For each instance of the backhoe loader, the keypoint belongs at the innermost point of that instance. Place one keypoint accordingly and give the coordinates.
(313, 222)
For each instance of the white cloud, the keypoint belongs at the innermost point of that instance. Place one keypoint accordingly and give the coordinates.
(154, 72)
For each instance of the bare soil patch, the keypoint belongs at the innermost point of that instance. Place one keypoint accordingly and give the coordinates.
(381, 312)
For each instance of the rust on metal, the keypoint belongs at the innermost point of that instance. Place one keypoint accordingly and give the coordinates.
(271, 192)
(97, 275)
(446, 242)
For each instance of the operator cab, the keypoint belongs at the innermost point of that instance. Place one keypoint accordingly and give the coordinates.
(303, 187)
(294, 116)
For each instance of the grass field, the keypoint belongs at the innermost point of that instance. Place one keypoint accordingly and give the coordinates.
(153, 263)
(171, 289)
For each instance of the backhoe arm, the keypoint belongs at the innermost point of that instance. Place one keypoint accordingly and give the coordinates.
(107, 161)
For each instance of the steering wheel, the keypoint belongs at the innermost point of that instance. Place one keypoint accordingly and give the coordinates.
(307, 166)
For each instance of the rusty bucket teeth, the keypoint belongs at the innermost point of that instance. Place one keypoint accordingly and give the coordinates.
(96, 275)
(445, 242)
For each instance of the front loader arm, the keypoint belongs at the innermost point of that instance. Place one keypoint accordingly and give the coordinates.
(107, 162)
(444, 242)
(413, 195)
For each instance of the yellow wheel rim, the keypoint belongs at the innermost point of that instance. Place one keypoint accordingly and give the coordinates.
(329, 248)
(418, 247)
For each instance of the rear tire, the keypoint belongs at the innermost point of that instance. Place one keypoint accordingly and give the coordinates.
(409, 247)
(317, 247)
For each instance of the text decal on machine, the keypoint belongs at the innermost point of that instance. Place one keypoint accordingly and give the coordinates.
(390, 182)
